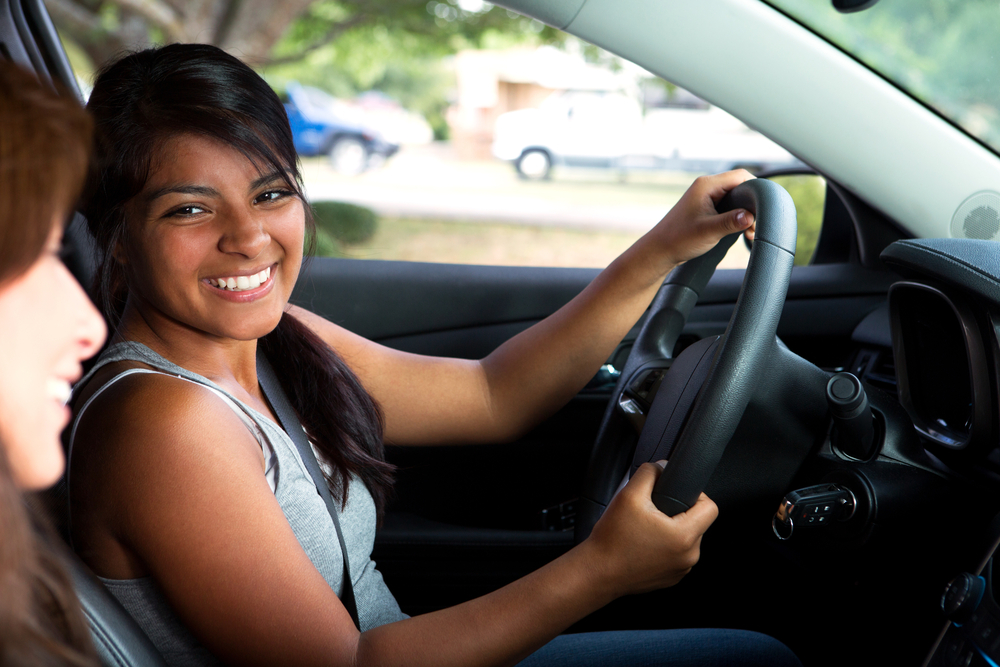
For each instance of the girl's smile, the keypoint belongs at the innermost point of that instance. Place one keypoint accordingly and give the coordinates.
(217, 242)
(242, 286)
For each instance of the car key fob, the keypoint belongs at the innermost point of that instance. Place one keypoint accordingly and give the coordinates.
(813, 506)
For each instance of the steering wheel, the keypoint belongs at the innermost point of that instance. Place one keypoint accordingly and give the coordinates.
(700, 397)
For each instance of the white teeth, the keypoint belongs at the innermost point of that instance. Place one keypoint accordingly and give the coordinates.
(58, 390)
(240, 283)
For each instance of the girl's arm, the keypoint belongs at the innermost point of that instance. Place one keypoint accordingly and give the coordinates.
(431, 400)
(174, 479)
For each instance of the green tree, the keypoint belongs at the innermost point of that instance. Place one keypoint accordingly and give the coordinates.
(264, 32)
(403, 54)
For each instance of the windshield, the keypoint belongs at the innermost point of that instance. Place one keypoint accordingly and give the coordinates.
(942, 52)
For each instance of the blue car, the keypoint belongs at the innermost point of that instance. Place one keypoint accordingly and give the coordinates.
(319, 127)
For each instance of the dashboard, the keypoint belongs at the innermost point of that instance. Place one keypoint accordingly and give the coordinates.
(943, 318)
(935, 348)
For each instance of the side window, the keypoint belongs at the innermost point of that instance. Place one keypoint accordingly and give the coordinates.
(532, 154)
(808, 191)
(546, 159)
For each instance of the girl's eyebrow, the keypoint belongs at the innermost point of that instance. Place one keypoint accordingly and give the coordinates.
(205, 191)
(267, 178)
(182, 189)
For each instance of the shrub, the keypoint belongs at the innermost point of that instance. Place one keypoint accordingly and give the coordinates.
(326, 245)
(345, 222)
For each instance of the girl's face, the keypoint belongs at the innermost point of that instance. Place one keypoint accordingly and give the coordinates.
(216, 244)
(50, 327)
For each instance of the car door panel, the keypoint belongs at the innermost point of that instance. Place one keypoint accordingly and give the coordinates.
(387, 299)
(466, 311)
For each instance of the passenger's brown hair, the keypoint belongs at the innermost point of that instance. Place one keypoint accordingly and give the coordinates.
(44, 147)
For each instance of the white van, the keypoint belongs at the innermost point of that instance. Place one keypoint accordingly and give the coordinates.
(609, 130)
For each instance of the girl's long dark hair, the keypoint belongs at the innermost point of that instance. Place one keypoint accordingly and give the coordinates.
(147, 97)
(44, 144)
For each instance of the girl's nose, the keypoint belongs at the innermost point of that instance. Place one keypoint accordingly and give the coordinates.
(244, 235)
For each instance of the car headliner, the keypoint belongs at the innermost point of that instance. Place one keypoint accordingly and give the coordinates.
(794, 87)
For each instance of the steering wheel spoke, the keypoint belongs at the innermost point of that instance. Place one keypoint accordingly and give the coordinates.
(638, 394)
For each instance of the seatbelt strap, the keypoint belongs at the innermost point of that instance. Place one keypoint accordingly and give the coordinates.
(293, 427)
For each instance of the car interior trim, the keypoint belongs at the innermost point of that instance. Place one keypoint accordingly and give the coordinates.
(972, 265)
(921, 349)
(56, 61)
(556, 13)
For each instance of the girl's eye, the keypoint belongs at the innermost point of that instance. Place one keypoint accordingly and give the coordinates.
(185, 211)
(271, 195)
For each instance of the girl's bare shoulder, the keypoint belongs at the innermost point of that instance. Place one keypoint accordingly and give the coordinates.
(153, 423)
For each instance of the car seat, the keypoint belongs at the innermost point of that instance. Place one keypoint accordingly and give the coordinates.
(119, 640)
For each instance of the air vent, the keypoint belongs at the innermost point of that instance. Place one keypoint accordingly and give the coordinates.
(978, 217)
(876, 367)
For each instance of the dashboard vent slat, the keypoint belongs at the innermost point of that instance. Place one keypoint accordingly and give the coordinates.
(876, 367)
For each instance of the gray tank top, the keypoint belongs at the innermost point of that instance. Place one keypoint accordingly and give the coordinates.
(299, 500)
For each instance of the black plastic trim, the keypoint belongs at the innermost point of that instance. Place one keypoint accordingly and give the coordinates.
(979, 431)
(57, 63)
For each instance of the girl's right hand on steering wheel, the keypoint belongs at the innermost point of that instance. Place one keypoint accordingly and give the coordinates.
(638, 548)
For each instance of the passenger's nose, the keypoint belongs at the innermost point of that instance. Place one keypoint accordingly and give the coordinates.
(244, 234)
(88, 325)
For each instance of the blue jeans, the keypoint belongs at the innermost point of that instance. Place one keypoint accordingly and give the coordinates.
(663, 648)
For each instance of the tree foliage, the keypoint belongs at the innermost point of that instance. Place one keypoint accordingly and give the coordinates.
(342, 46)
(271, 32)
(436, 27)
(104, 28)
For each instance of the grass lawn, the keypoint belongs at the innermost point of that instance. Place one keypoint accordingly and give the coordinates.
(510, 244)
(458, 242)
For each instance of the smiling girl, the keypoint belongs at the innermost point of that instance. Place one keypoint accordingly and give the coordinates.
(191, 502)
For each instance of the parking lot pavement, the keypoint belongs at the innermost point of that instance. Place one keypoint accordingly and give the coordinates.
(430, 182)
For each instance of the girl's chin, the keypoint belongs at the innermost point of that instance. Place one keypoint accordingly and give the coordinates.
(249, 330)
